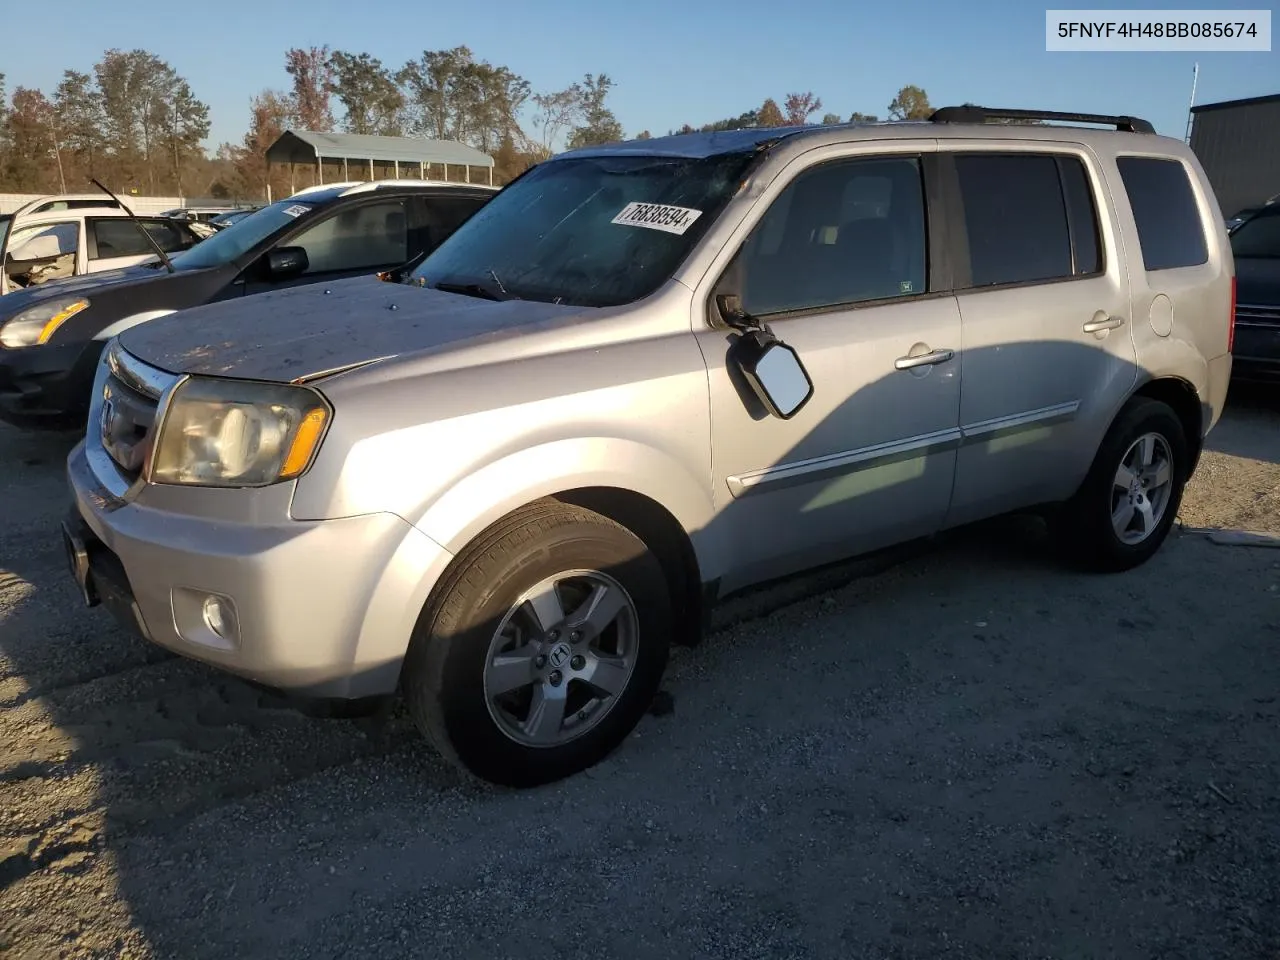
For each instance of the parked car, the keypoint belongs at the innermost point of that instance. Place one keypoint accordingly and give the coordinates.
(51, 338)
(199, 214)
(1255, 245)
(65, 242)
(70, 201)
(1243, 215)
(645, 376)
(224, 220)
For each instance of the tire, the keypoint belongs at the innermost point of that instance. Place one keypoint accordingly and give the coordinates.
(451, 680)
(1085, 524)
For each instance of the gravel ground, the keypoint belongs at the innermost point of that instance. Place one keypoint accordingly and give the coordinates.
(974, 753)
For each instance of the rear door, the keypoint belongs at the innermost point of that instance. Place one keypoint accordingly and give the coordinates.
(1043, 295)
(432, 218)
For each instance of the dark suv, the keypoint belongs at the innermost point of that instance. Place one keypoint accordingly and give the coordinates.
(52, 337)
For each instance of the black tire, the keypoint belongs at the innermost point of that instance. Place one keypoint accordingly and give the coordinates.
(1084, 524)
(443, 675)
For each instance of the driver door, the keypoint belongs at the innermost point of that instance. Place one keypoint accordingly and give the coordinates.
(838, 267)
(356, 240)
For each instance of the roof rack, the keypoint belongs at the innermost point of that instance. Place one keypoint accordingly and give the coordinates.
(970, 113)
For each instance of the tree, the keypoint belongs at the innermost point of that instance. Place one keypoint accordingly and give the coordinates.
(369, 94)
(742, 121)
(146, 109)
(313, 87)
(4, 124)
(451, 95)
(598, 125)
(800, 106)
(185, 122)
(830, 119)
(77, 107)
(769, 115)
(857, 117)
(911, 103)
(29, 159)
(269, 115)
(429, 86)
(644, 135)
(555, 113)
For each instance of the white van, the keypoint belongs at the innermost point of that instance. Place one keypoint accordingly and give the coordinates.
(36, 247)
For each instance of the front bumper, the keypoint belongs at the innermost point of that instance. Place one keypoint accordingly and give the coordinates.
(320, 608)
(48, 385)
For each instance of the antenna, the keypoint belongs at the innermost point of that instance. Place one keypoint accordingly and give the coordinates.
(1195, 78)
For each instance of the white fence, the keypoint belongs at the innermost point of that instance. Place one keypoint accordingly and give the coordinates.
(10, 202)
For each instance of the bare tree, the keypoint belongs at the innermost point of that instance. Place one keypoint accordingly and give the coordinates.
(800, 106)
(555, 114)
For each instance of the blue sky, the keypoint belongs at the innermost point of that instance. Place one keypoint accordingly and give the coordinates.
(674, 61)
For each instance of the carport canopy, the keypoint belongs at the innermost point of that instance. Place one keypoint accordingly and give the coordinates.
(360, 152)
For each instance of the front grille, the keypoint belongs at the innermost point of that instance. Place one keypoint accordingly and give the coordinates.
(130, 400)
(1257, 315)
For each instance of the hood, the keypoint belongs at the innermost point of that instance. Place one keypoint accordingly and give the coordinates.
(304, 332)
(1258, 280)
(83, 285)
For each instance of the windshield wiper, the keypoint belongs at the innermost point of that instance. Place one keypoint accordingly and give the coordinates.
(473, 288)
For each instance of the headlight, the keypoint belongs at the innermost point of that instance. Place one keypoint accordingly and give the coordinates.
(236, 433)
(37, 324)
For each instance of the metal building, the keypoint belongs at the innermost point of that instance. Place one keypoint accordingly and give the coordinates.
(1238, 144)
(352, 156)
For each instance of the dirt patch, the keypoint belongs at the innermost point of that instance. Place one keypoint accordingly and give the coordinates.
(973, 754)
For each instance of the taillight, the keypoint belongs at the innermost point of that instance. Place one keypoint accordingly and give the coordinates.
(1231, 322)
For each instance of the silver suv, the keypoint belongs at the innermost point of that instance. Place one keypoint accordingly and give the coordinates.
(645, 376)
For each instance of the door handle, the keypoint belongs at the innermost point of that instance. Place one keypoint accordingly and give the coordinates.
(1106, 323)
(923, 360)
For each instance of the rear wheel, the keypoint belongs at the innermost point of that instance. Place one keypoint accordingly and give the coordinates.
(542, 649)
(1127, 504)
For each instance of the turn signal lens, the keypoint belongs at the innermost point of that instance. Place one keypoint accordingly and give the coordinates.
(304, 442)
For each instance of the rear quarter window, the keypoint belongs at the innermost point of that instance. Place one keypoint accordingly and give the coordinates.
(1170, 231)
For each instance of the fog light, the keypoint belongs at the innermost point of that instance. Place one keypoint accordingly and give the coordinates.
(219, 617)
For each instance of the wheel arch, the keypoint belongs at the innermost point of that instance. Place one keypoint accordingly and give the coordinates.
(1182, 397)
(662, 533)
(652, 493)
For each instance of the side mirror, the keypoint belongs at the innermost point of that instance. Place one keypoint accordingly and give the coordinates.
(286, 262)
(775, 373)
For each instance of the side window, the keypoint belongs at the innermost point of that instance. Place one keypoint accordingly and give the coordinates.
(171, 236)
(1170, 231)
(362, 237)
(843, 232)
(44, 240)
(42, 252)
(433, 219)
(120, 237)
(1015, 219)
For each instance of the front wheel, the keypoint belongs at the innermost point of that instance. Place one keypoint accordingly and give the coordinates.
(543, 647)
(1127, 504)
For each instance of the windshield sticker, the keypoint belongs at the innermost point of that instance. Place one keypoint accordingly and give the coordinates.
(657, 216)
(296, 210)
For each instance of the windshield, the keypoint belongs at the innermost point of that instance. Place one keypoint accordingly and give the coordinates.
(1259, 236)
(242, 236)
(595, 231)
(4, 228)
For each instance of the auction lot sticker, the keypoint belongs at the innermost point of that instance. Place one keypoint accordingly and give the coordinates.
(657, 216)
